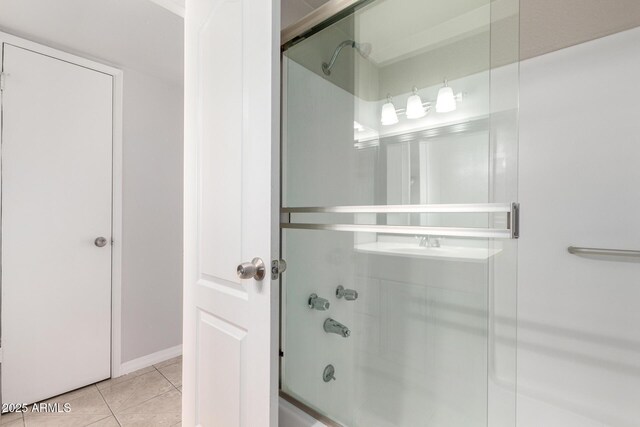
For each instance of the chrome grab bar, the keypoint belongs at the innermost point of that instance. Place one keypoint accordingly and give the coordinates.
(483, 233)
(601, 251)
(511, 231)
(442, 208)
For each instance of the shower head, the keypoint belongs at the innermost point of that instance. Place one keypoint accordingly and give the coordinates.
(364, 49)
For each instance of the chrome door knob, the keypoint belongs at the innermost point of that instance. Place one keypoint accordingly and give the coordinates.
(100, 242)
(252, 270)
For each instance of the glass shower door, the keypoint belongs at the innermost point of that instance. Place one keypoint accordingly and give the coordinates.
(399, 215)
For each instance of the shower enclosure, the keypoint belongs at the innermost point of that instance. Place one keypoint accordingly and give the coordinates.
(399, 212)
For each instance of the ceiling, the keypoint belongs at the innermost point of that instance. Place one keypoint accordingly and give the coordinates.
(396, 34)
(134, 34)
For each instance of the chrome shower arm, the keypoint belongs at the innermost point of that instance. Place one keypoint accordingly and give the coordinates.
(326, 67)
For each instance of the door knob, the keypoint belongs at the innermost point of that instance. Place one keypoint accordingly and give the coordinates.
(252, 270)
(100, 242)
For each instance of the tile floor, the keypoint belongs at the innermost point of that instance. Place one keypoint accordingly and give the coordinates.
(150, 397)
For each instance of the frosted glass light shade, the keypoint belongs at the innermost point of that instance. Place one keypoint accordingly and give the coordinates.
(389, 115)
(446, 101)
(415, 109)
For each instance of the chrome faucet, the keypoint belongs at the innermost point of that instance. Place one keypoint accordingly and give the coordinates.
(429, 242)
(334, 327)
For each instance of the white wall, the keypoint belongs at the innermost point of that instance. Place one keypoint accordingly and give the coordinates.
(578, 318)
(152, 217)
(146, 41)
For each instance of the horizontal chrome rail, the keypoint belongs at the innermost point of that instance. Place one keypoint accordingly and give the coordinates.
(444, 208)
(602, 251)
(509, 232)
(487, 233)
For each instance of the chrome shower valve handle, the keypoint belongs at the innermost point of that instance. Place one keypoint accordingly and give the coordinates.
(348, 294)
(318, 303)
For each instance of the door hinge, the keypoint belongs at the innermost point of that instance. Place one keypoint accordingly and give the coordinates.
(2, 80)
(278, 266)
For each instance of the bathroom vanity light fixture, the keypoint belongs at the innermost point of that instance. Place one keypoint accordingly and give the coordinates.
(389, 115)
(446, 100)
(415, 108)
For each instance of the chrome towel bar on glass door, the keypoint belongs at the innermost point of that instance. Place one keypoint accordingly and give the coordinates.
(601, 251)
(449, 208)
(510, 232)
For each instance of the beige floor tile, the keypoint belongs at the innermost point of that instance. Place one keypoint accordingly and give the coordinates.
(72, 395)
(169, 362)
(15, 423)
(107, 422)
(146, 420)
(123, 378)
(131, 393)
(63, 420)
(86, 407)
(85, 401)
(145, 398)
(173, 373)
(6, 419)
(163, 410)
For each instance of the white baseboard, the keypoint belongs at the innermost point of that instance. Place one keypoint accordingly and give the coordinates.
(150, 359)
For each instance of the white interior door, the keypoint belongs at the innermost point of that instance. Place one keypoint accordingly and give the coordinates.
(232, 79)
(56, 200)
